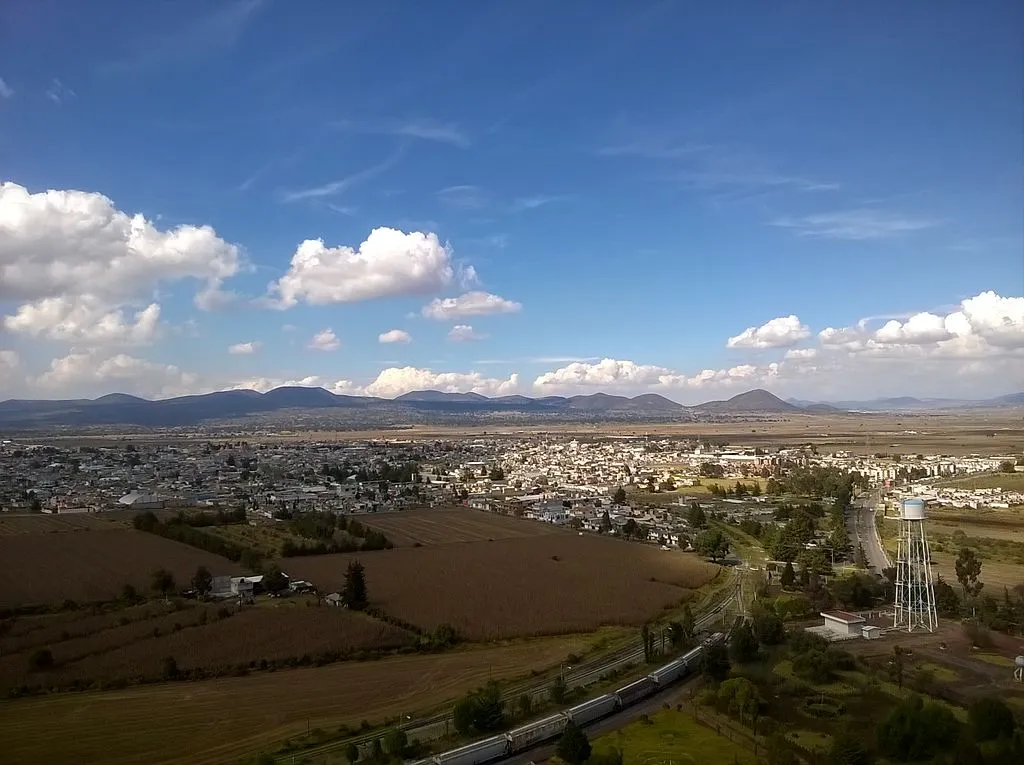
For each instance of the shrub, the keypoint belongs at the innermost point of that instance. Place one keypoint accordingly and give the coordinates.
(40, 660)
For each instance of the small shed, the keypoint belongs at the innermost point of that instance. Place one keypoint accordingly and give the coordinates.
(843, 623)
(871, 632)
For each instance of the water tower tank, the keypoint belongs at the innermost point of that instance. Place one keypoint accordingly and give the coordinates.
(912, 510)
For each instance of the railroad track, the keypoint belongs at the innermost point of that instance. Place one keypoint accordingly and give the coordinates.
(583, 674)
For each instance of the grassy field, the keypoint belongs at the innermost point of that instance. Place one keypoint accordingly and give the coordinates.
(672, 737)
(16, 525)
(551, 584)
(92, 565)
(220, 721)
(1005, 481)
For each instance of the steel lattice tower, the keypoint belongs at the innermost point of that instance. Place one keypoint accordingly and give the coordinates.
(915, 592)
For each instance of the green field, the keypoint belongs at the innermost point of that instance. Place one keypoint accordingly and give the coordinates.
(674, 737)
(1006, 481)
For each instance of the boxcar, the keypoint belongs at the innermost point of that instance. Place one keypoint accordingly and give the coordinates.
(634, 691)
(541, 730)
(595, 709)
(473, 754)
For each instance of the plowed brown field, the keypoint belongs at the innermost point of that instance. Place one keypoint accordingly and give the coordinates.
(434, 527)
(93, 565)
(550, 584)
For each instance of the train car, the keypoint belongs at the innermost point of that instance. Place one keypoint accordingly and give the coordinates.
(635, 691)
(668, 674)
(541, 730)
(595, 709)
(473, 754)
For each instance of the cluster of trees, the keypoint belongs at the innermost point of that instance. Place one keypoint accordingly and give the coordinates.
(323, 528)
(920, 730)
(404, 472)
(190, 534)
(816, 481)
(739, 490)
(353, 592)
(480, 711)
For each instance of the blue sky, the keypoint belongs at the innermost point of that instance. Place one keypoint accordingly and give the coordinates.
(620, 191)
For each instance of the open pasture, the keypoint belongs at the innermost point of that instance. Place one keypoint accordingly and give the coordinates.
(52, 568)
(556, 583)
(1004, 481)
(433, 527)
(15, 525)
(228, 719)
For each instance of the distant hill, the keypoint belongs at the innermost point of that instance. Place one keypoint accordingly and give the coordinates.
(426, 405)
(760, 401)
(436, 395)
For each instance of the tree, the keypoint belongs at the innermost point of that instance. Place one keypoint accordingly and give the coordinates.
(573, 747)
(274, 579)
(739, 696)
(743, 644)
(711, 470)
(497, 474)
(396, 742)
(788, 578)
(696, 516)
(265, 758)
(667, 485)
(162, 581)
(169, 668)
(631, 529)
(968, 569)
(715, 662)
(769, 628)
(352, 753)
(991, 719)
(848, 749)
(202, 581)
(40, 660)
(947, 602)
(481, 711)
(687, 624)
(376, 751)
(1008, 466)
(712, 544)
(129, 593)
(896, 668)
(619, 497)
(559, 690)
(917, 730)
(354, 591)
(606, 522)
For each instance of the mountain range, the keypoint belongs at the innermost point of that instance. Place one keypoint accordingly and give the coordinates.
(124, 409)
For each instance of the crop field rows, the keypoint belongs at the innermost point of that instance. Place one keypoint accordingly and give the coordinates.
(435, 527)
(550, 584)
(16, 525)
(52, 568)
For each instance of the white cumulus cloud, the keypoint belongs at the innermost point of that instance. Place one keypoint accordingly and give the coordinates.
(325, 340)
(395, 381)
(71, 259)
(389, 263)
(475, 303)
(781, 332)
(394, 336)
(244, 349)
(462, 333)
(96, 373)
(921, 328)
(84, 319)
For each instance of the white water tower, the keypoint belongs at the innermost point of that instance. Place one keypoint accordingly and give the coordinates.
(915, 592)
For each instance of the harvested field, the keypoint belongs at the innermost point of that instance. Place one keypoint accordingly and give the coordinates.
(434, 527)
(225, 720)
(551, 584)
(198, 640)
(14, 525)
(51, 568)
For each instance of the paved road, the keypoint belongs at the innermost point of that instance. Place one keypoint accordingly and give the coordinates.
(861, 525)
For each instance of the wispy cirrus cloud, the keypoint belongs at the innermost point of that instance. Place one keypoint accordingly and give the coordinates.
(6, 91)
(464, 197)
(423, 129)
(855, 225)
(537, 200)
(215, 30)
(58, 92)
(343, 184)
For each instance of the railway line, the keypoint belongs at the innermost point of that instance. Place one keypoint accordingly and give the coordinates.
(582, 675)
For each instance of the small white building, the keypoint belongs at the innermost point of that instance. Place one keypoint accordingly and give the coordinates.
(871, 632)
(843, 623)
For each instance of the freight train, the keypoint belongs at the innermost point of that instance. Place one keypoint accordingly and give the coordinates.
(527, 736)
